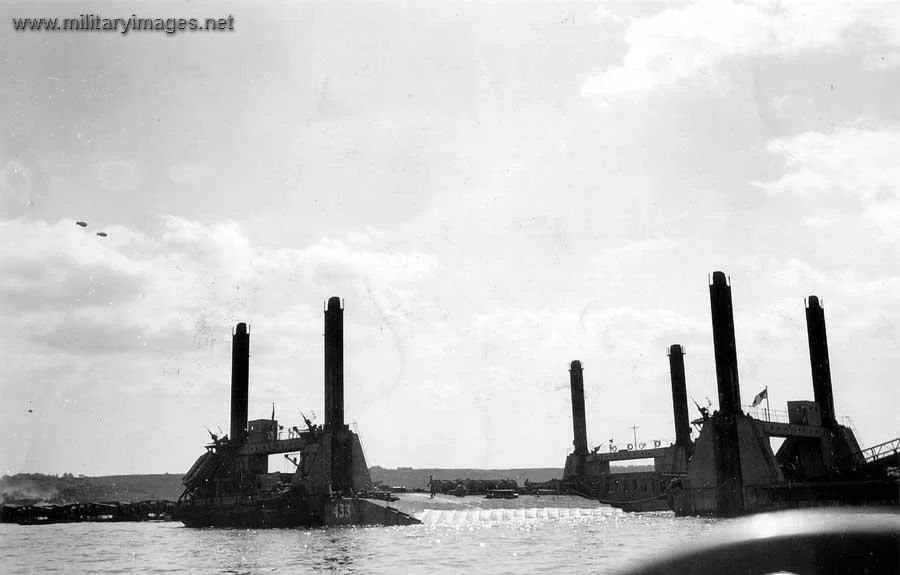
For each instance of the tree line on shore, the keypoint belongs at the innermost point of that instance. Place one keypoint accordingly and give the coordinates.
(30, 488)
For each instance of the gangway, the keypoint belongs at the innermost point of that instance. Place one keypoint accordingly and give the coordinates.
(880, 452)
(883, 455)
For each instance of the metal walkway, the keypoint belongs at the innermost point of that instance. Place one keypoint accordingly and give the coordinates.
(881, 451)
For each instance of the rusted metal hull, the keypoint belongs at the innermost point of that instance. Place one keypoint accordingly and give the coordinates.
(876, 493)
(288, 512)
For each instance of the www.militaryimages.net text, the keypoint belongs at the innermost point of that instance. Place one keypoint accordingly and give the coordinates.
(97, 23)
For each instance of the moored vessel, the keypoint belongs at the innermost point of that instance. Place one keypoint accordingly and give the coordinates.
(230, 486)
(731, 468)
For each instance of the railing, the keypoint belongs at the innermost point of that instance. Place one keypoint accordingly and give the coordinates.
(780, 416)
(763, 414)
(881, 450)
(630, 446)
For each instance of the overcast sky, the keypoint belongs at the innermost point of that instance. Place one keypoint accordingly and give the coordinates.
(494, 190)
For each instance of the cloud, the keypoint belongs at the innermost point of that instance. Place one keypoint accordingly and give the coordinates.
(603, 14)
(60, 266)
(336, 259)
(815, 222)
(118, 175)
(861, 302)
(614, 342)
(73, 291)
(855, 163)
(145, 316)
(623, 351)
(798, 274)
(691, 43)
(779, 104)
(883, 61)
(189, 173)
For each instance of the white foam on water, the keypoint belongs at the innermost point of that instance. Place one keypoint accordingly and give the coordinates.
(461, 517)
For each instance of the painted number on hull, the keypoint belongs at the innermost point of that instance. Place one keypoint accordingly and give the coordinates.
(343, 510)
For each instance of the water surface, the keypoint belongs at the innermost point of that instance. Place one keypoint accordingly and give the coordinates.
(528, 535)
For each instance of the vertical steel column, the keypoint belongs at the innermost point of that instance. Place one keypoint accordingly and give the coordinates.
(679, 396)
(576, 381)
(818, 359)
(726, 441)
(240, 382)
(334, 364)
(724, 343)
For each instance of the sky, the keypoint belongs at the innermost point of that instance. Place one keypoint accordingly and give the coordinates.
(494, 189)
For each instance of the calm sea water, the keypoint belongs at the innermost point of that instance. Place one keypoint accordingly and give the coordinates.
(526, 536)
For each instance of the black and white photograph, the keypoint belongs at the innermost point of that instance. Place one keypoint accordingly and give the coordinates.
(450, 287)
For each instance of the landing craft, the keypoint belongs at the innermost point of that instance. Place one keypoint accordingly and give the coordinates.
(82, 224)
(101, 234)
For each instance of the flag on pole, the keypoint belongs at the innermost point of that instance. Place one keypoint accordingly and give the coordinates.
(764, 394)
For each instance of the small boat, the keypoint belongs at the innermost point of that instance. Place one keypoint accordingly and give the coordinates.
(502, 494)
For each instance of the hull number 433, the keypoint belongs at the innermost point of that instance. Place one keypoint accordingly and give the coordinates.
(343, 510)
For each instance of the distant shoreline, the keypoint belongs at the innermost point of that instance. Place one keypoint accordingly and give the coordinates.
(68, 488)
